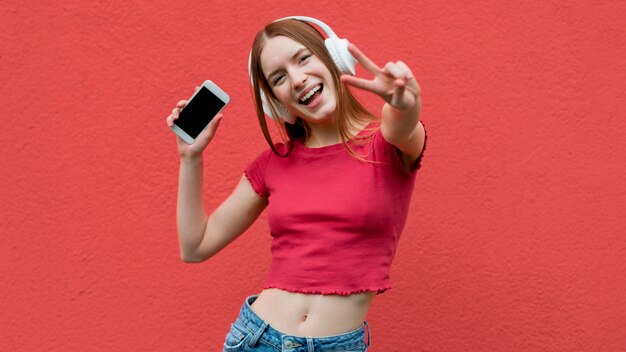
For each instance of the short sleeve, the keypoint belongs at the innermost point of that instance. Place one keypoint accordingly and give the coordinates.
(394, 154)
(255, 173)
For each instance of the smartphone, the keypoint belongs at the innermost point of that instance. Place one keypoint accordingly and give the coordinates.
(201, 108)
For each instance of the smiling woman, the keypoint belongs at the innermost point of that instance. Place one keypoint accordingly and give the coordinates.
(304, 53)
(296, 76)
(337, 190)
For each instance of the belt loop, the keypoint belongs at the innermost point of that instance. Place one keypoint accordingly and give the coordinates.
(257, 335)
(369, 336)
(309, 342)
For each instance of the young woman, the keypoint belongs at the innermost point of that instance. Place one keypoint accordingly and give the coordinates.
(337, 191)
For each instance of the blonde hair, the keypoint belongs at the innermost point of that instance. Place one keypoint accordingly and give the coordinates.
(348, 108)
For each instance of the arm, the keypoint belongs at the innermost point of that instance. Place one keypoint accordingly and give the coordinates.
(405, 131)
(201, 236)
(396, 84)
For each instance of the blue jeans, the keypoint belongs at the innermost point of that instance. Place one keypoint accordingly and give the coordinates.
(251, 333)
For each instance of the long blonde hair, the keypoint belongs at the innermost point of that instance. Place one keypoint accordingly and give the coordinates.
(348, 108)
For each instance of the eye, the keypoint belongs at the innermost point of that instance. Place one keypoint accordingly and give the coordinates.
(278, 79)
(304, 58)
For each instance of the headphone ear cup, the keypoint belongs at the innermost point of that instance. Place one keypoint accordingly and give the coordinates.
(283, 114)
(338, 50)
(266, 107)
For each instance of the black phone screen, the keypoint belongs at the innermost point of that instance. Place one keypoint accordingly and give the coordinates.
(198, 112)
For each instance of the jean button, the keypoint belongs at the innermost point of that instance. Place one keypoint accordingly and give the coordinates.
(288, 344)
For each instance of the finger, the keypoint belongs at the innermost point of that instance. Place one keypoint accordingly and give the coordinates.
(393, 70)
(170, 120)
(215, 123)
(363, 60)
(175, 112)
(181, 103)
(411, 82)
(197, 87)
(397, 99)
(406, 70)
(360, 83)
(209, 132)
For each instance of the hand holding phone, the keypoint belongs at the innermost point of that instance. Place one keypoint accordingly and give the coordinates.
(201, 140)
(198, 111)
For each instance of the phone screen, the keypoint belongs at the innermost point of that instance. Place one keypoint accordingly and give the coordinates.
(198, 112)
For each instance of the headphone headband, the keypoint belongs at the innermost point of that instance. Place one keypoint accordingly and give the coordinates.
(329, 32)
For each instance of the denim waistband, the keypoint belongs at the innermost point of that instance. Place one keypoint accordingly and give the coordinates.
(261, 330)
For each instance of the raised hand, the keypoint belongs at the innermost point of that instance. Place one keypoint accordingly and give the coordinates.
(394, 83)
(203, 139)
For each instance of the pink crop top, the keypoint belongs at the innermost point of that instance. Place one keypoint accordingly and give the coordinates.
(335, 221)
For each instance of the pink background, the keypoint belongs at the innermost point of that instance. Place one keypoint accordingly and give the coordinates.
(515, 240)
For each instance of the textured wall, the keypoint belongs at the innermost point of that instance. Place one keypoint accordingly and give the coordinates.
(515, 240)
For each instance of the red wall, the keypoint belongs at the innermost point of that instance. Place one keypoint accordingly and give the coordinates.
(515, 240)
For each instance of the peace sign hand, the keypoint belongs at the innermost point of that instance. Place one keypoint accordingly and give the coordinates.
(394, 83)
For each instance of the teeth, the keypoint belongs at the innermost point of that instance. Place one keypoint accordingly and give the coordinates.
(310, 93)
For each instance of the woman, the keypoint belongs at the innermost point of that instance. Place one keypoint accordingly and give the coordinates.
(337, 192)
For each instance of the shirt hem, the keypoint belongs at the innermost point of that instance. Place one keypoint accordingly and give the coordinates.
(340, 292)
(255, 187)
(416, 164)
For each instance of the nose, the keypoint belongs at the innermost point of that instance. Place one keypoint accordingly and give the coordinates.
(298, 78)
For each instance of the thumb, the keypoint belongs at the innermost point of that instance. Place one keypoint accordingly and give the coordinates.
(209, 132)
(214, 124)
(397, 99)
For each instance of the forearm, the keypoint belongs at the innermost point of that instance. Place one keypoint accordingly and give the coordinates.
(398, 125)
(190, 213)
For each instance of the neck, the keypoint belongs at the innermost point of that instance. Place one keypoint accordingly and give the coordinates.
(325, 134)
(321, 136)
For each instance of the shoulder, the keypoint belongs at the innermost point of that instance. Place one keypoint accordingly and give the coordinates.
(276, 150)
(411, 151)
(278, 153)
(406, 156)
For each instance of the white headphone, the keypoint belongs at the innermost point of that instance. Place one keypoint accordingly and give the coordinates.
(338, 50)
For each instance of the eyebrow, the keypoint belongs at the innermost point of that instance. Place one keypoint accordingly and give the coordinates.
(292, 58)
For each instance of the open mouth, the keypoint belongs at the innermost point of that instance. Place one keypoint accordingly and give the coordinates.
(312, 94)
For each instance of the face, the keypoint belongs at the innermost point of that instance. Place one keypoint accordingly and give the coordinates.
(299, 79)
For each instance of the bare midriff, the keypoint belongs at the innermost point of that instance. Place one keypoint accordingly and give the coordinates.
(312, 315)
